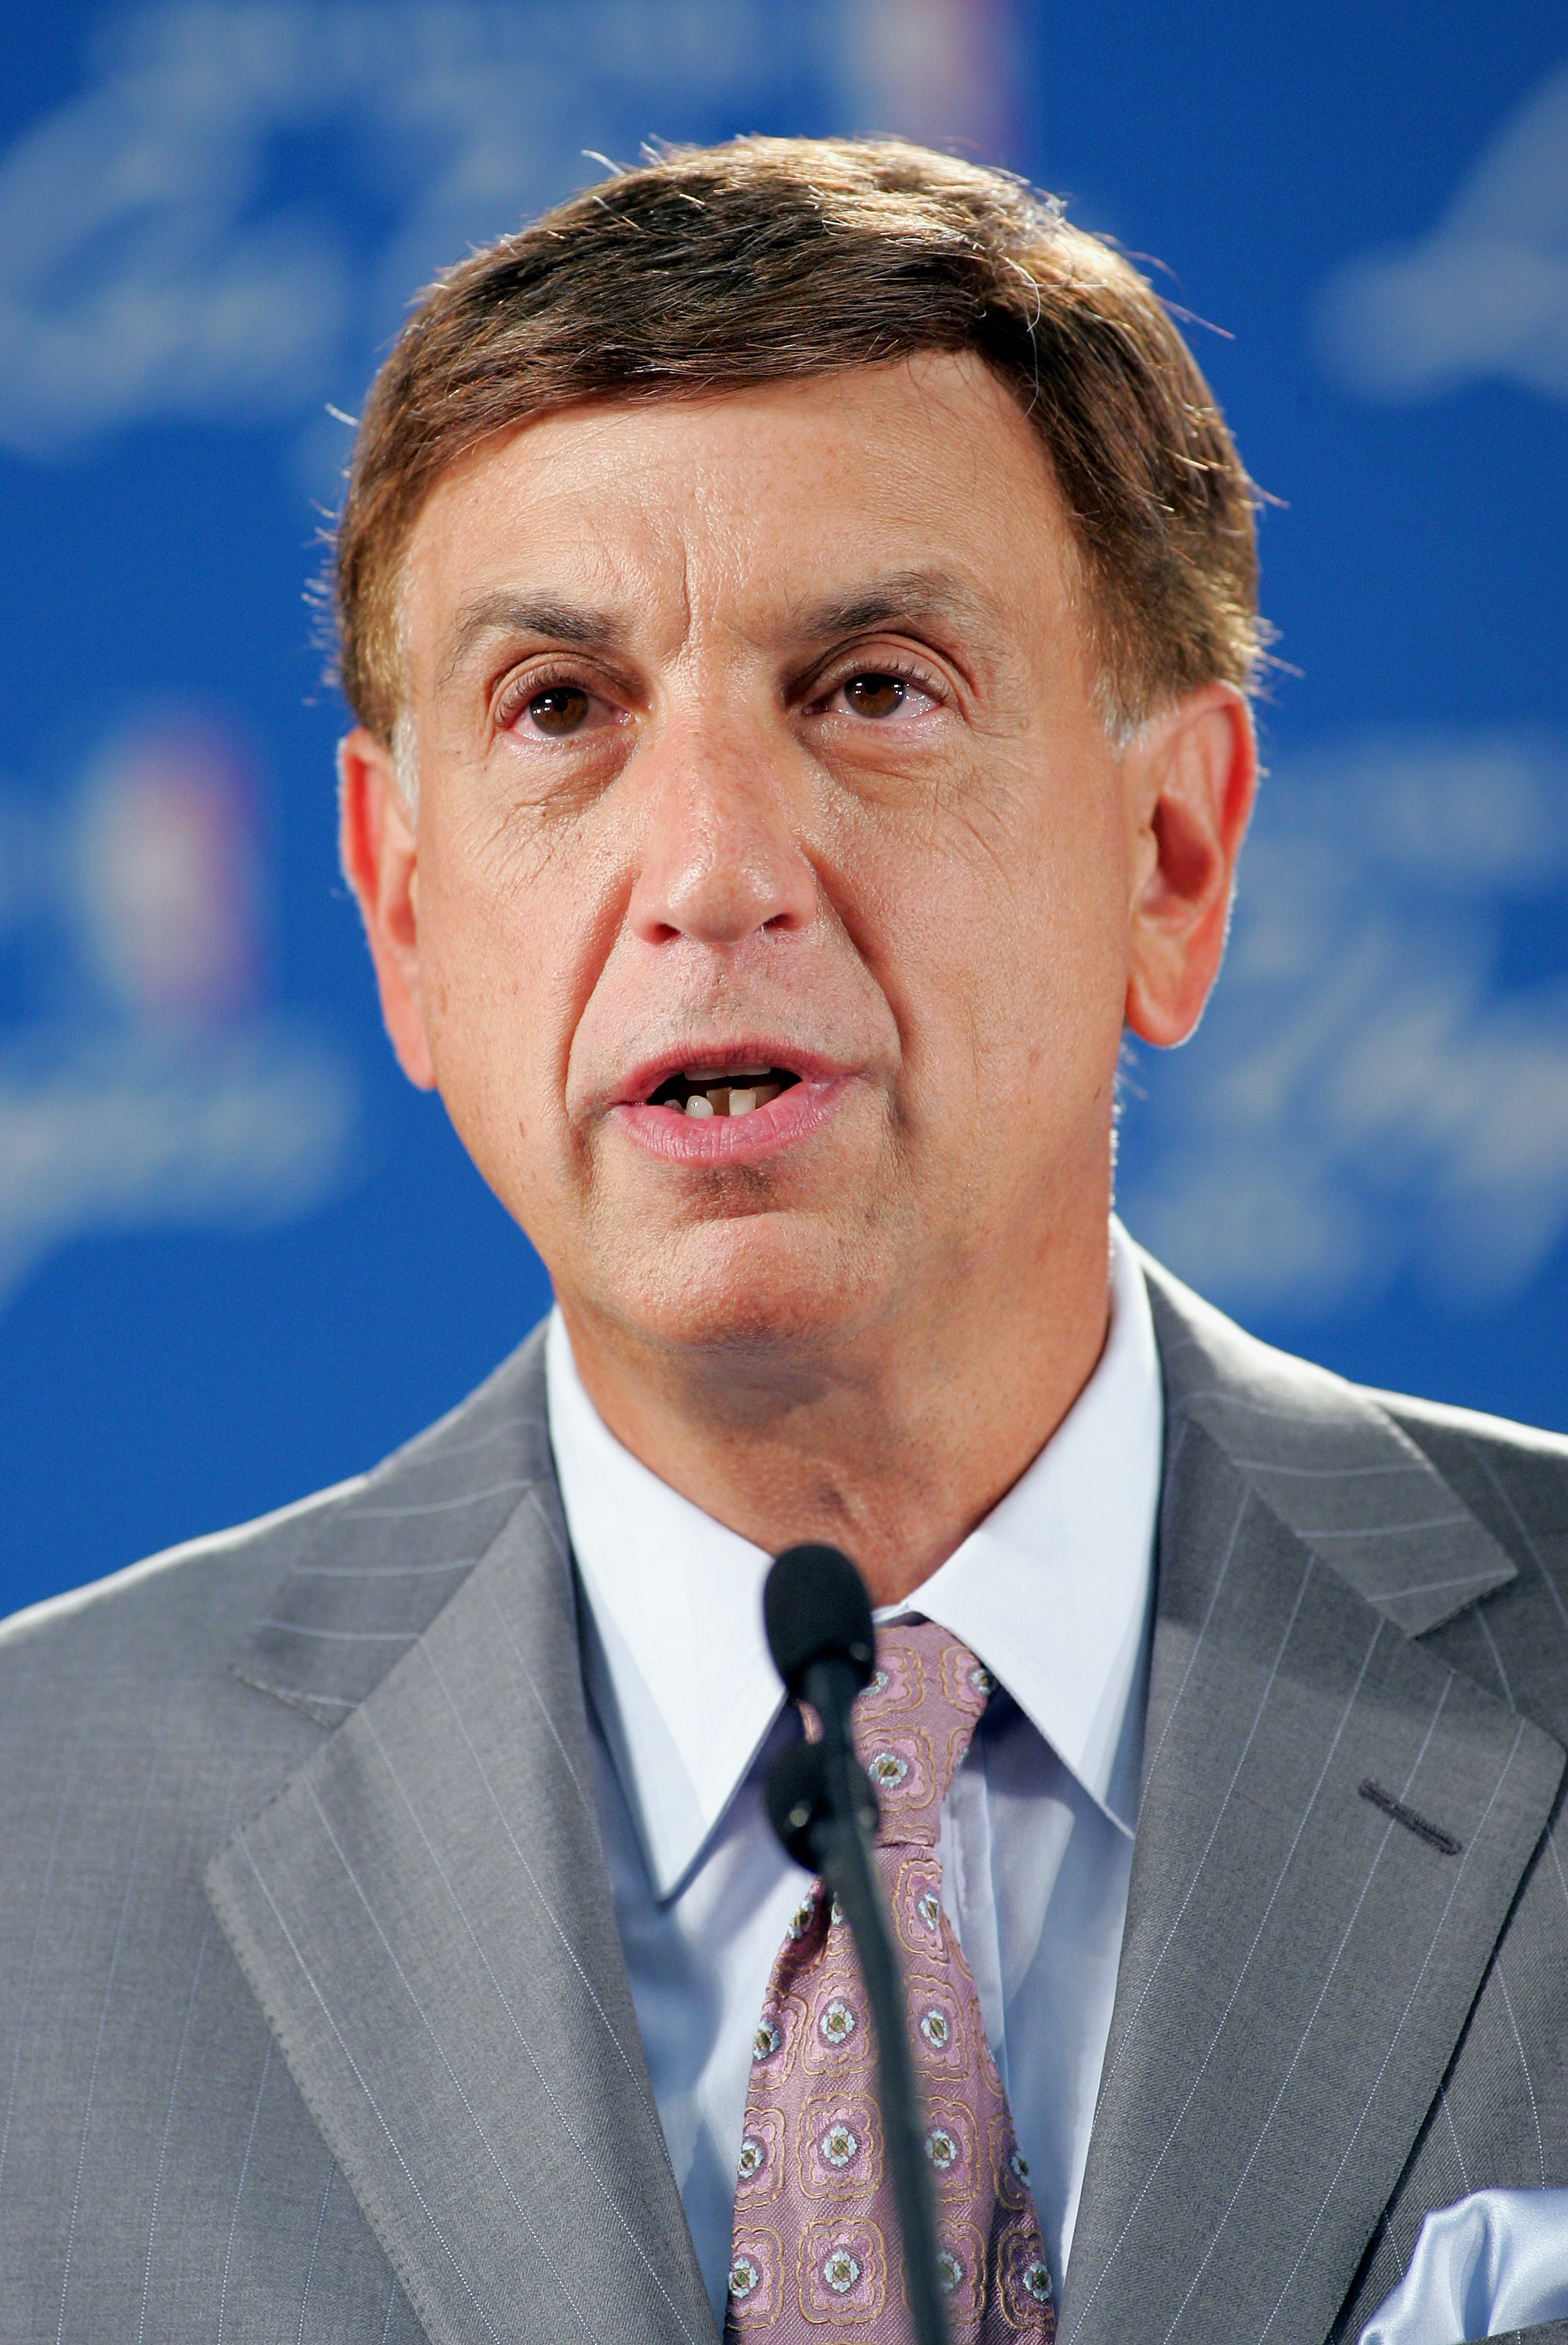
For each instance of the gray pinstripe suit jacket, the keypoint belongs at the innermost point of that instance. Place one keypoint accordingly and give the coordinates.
(314, 2018)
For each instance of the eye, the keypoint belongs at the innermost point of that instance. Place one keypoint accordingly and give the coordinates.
(876, 696)
(560, 710)
(881, 693)
(537, 707)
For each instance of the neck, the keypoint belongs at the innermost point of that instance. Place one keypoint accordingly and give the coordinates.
(892, 1443)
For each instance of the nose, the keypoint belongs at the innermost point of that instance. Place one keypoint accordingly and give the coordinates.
(720, 860)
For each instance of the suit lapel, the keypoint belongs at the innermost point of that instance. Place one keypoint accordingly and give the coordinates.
(1297, 1962)
(424, 1915)
(1328, 1461)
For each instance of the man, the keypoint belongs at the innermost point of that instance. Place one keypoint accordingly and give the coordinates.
(797, 600)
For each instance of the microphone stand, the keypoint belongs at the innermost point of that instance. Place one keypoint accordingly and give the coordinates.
(824, 1808)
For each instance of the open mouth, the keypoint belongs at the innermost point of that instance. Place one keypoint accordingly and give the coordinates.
(722, 1091)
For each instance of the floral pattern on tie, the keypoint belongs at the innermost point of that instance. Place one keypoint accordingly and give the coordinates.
(816, 2257)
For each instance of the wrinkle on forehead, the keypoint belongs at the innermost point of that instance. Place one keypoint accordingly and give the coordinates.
(622, 511)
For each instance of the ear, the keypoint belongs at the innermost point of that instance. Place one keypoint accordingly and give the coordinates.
(377, 849)
(1190, 773)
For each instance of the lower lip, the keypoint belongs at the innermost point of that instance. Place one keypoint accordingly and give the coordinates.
(707, 1140)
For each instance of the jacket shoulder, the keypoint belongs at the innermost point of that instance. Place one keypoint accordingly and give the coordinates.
(170, 1579)
(133, 1714)
(1506, 1445)
(1427, 1509)
(213, 1585)
(1207, 1356)
(1515, 1479)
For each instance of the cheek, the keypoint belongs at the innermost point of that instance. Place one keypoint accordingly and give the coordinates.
(1015, 934)
(491, 948)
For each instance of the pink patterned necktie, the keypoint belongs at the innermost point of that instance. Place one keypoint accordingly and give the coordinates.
(815, 2257)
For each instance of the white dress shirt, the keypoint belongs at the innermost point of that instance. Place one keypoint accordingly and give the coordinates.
(1051, 1591)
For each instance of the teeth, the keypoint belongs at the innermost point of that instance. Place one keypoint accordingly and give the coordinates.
(723, 1074)
(730, 1099)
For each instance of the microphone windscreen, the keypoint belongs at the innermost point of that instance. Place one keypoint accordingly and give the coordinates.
(796, 1792)
(815, 1608)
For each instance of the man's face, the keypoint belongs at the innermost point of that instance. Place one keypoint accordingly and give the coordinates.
(759, 763)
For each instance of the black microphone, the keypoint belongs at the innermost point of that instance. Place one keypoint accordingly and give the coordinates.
(823, 1807)
(817, 1617)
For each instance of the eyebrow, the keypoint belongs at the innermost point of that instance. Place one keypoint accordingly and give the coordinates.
(527, 614)
(903, 596)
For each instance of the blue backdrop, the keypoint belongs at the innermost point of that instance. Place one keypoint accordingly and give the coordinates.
(238, 1257)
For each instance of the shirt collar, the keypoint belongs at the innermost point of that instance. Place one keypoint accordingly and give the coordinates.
(1051, 1591)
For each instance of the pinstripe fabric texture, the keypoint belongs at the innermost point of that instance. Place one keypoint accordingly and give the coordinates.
(1297, 1966)
(383, 2083)
(425, 1916)
(1501, 2113)
(161, 2177)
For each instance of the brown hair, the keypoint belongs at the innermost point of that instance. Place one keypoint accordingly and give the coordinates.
(772, 259)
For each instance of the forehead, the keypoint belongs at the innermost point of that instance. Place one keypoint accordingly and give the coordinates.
(748, 499)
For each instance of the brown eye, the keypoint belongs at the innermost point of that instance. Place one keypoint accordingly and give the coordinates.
(563, 709)
(875, 695)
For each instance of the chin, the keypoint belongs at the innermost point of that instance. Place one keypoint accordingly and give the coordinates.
(760, 1287)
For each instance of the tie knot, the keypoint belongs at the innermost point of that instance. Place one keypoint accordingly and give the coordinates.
(913, 1722)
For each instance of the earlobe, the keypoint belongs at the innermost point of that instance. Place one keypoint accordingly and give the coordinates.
(1190, 777)
(377, 849)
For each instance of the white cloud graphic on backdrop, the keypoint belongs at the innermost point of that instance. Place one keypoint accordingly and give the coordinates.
(151, 269)
(148, 266)
(1486, 294)
(136, 1132)
(1370, 1093)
